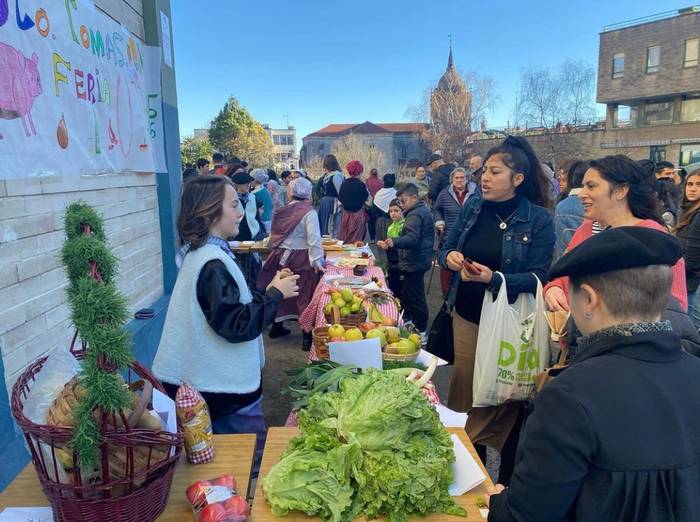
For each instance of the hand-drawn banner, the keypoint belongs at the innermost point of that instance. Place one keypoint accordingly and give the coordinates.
(73, 92)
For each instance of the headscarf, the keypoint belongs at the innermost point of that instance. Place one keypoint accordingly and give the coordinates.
(301, 188)
(354, 168)
(260, 176)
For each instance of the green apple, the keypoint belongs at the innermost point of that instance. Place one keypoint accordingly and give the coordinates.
(344, 311)
(353, 334)
(336, 330)
(335, 296)
(347, 295)
(416, 340)
(378, 334)
(355, 307)
(392, 334)
(339, 303)
(405, 347)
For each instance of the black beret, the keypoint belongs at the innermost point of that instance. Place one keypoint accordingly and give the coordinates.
(241, 178)
(617, 249)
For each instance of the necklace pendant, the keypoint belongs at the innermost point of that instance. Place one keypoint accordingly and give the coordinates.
(502, 226)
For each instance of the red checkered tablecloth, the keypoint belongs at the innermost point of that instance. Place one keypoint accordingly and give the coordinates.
(313, 315)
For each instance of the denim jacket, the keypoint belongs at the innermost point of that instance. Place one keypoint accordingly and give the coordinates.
(567, 218)
(528, 247)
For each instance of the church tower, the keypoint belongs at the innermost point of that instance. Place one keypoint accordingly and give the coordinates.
(450, 101)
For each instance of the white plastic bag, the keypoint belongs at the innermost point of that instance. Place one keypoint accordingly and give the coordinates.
(512, 347)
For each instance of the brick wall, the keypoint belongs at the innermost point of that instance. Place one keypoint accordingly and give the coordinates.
(34, 318)
(633, 142)
(671, 78)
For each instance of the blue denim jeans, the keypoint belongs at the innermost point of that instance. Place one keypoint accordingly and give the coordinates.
(694, 308)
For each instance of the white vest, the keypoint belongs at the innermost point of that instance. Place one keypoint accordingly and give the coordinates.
(191, 351)
(251, 211)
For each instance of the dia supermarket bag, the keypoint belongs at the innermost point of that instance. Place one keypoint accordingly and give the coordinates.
(512, 346)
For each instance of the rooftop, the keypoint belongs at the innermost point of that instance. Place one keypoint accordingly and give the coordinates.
(651, 18)
(340, 129)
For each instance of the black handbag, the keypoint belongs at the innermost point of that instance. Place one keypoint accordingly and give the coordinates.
(441, 337)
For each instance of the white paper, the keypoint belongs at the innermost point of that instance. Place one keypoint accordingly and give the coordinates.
(451, 418)
(364, 354)
(484, 513)
(27, 514)
(467, 473)
(425, 358)
(167, 41)
(164, 406)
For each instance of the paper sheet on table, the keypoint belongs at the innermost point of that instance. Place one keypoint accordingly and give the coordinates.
(164, 406)
(467, 473)
(425, 358)
(451, 418)
(364, 354)
(27, 514)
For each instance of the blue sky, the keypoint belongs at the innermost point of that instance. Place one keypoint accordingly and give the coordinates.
(322, 62)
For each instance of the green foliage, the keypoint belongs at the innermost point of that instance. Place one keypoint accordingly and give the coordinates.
(193, 148)
(80, 213)
(99, 312)
(80, 251)
(234, 132)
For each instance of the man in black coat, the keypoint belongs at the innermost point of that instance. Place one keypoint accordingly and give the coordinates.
(616, 436)
(440, 172)
(415, 249)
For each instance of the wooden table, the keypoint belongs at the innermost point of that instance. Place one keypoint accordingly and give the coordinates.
(234, 455)
(259, 247)
(277, 440)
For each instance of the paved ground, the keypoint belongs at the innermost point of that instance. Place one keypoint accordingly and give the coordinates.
(285, 353)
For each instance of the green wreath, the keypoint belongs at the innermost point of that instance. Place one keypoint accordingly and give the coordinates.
(99, 312)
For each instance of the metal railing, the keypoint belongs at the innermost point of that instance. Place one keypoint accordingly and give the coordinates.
(651, 18)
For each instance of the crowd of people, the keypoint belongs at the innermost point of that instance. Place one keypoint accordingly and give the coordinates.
(615, 242)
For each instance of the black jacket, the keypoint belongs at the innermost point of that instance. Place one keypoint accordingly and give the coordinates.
(614, 437)
(415, 244)
(353, 194)
(689, 236)
(440, 180)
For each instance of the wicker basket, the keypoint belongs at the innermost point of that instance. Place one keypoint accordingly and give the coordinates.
(349, 321)
(145, 458)
(320, 342)
(398, 357)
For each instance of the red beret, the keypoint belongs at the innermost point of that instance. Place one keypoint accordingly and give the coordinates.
(354, 168)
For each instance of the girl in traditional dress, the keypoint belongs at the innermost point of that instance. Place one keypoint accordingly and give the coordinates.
(296, 245)
(353, 196)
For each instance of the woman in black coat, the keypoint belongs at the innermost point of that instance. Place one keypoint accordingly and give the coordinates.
(614, 437)
(688, 233)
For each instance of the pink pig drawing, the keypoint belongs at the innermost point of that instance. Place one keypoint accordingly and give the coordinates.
(19, 85)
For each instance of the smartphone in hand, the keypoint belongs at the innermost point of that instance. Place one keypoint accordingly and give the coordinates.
(469, 266)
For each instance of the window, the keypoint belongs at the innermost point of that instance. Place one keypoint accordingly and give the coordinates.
(690, 153)
(625, 116)
(403, 152)
(283, 139)
(658, 113)
(690, 109)
(691, 52)
(653, 59)
(618, 65)
(321, 147)
(657, 153)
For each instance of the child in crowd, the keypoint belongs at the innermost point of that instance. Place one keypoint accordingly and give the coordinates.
(212, 338)
(393, 279)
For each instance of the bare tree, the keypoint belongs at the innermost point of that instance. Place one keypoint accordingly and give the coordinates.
(454, 107)
(550, 98)
(356, 147)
